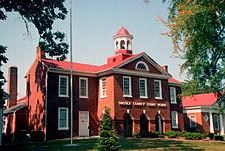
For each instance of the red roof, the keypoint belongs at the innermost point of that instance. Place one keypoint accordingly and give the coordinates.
(172, 80)
(80, 67)
(122, 31)
(199, 100)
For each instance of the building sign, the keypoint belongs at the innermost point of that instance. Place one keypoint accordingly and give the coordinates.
(142, 104)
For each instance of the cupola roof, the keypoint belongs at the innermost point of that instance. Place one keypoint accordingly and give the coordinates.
(122, 31)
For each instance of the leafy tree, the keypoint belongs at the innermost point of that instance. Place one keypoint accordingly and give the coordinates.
(42, 14)
(198, 35)
(109, 140)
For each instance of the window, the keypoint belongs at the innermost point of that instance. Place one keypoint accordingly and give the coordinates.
(63, 119)
(158, 89)
(127, 86)
(122, 44)
(141, 66)
(192, 119)
(173, 99)
(143, 88)
(103, 87)
(63, 86)
(216, 122)
(83, 89)
(174, 119)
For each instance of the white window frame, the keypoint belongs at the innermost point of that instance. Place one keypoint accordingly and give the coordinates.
(130, 87)
(173, 124)
(160, 89)
(103, 95)
(145, 80)
(67, 119)
(173, 90)
(216, 119)
(146, 66)
(83, 96)
(192, 121)
(67, 86)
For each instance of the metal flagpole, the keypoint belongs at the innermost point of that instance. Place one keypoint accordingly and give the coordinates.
(71, 78)
(71, 81)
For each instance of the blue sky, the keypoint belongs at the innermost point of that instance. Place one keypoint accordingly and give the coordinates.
(94, 24)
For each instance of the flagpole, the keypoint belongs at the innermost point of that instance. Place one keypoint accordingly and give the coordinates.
(71, 77)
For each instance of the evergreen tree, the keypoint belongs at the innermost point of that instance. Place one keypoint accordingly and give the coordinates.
(109, 140)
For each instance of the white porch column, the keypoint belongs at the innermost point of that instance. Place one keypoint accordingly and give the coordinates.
(211, 123)
(221, 125)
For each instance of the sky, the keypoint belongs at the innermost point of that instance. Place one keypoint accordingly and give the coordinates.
(95, 22)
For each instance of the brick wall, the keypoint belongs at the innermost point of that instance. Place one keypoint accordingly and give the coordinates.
(80, 104)
(136, 111)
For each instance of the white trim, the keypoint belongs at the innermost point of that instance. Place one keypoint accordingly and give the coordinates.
(67, 119)
(130, 87)
(101, 90)
(176, 114)
(141, 62)
(192, 121)
(160, 89)
(211, 125)
(86, 91)
(150, 60)
(145, 82)
(221, 124)
(138, 73)
(67, 86)
(173, 90)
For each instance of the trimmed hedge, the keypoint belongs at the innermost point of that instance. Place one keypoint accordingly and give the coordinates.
(37, 136)
(219, 137)
(193, 136)
(172, 134)
(144, 134)
(211, 135)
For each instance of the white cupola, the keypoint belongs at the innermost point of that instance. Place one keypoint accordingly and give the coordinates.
(123, 39)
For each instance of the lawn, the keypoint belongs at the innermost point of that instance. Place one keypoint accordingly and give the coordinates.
(134, 144)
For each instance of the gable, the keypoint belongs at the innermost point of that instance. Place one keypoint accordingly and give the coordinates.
(152, 66)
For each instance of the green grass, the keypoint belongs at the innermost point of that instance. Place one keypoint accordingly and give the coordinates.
(138, 144)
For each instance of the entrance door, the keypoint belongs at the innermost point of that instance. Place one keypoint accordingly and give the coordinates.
(159, 123)
(83, 123)
(127, 125)
(143, 123)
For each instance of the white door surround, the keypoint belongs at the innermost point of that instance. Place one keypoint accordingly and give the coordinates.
(83, 123)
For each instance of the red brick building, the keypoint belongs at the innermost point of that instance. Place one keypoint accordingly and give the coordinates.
(142, 95)
(201, 113)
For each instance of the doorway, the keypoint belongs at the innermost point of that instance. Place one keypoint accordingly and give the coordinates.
(143, 123)
(159, 123)
(83, 123)
(127, 125)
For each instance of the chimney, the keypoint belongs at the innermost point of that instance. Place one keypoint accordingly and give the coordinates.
(40, 54)
(165, 68)
(12, 86)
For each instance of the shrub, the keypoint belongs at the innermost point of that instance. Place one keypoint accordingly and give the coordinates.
(144, 134)
(109, 141)
(193, 136)
(136, 135)
(37, 136)
(154, 134)
(219, 137)
(172, 134)
(211, 135)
